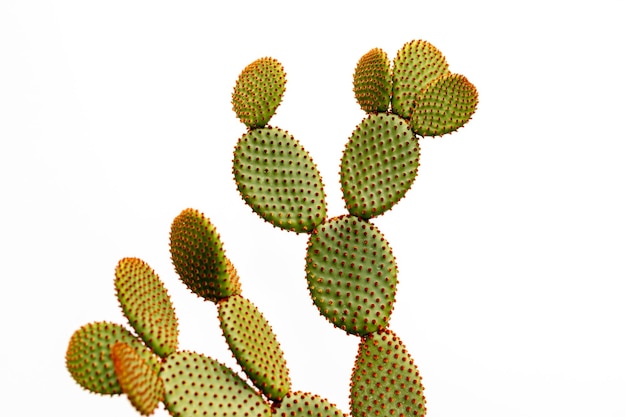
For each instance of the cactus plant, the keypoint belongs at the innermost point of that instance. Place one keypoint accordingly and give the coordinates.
(350, 269)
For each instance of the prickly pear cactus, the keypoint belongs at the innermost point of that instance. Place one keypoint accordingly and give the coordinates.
(350, 269)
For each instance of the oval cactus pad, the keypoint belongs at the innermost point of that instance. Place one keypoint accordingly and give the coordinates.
(196, 385)
(254, 345)
(278, 179)
(415, 66)
(385, 381)
(379, 165)
(88, 356)
(147, 305)
(199, 258)
(304, 404)
(258, 92)
(351, 274)
(444, 106)
(139, 381)
(372, 81)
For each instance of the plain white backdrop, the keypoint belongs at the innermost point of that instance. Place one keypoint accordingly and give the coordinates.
(511, 245)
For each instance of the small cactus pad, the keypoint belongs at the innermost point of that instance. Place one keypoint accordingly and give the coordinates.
(88, 356)
(379, 165)
(415, 66)
(254, 345)
(304, 404)
(138, 379)
(385, 381)
(258, 92)
(351, 274)
(196, 385)
(372, 81)
(199, 258)
(444, 106)
(147, 305)
(278, 179)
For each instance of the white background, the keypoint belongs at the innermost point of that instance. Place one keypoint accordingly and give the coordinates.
(116, 115)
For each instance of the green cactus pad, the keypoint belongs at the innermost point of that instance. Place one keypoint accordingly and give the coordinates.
(385, 381)
(278, 179)
(196, 385)
(199, 258)
(147, 305)
(379, 165)
(258, 92)
(88, 356)
(138, 379)
(415, 66)
(444, 106)
(372, 81)
(254, 345)
(304, 404)
(351, 274)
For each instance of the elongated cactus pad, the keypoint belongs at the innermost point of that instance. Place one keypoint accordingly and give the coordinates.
(385, 381)
(278, 179)
(444, 106)
(379, 165)
(147, 305)
(196, 385)
(258, 92)
(254, 345)
(304, 404)
(351, 274)
(372, 81)
(199, 258)
(138, 379)
(415, 66)
(88, 356)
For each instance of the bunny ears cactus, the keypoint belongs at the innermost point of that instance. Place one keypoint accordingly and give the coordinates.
(350, 270)
(422, 89)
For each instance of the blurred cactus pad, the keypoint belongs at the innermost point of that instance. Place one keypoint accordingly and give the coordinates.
(350, 269)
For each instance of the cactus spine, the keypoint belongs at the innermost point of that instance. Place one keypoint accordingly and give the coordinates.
(350, 269)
